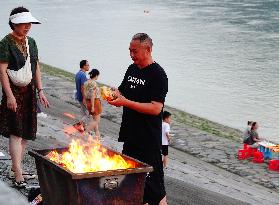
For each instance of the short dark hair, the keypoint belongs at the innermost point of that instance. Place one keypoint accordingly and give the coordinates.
(82, 63)
(249, 122)
(17, 10)
(93, 73)
(143, 37)
(166, 114)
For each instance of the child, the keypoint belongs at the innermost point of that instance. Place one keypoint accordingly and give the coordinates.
(93, 102)
(165, 135)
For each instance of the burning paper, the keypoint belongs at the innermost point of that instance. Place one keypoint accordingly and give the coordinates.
(108, 93)
(89, 156)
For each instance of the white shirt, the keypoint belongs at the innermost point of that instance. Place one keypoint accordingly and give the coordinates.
(165, 131)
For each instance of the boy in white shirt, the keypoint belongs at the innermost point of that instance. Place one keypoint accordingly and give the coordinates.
(165, 136)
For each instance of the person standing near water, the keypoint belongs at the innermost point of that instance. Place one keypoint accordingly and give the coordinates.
(142, 94)
(93, 102)
(20, 78)
(80, 79)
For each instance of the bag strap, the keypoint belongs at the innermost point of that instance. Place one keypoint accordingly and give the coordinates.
(27, 47)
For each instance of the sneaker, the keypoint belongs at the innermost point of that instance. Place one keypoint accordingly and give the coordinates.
(42, 115)
(20, 184)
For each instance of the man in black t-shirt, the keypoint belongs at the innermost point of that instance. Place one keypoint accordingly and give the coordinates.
(142, 94)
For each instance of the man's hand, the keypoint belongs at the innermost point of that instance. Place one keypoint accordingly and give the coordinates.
(119, 101)
(152, 108)
(11, 103)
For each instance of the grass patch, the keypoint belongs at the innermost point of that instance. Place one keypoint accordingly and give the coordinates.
(205, 125)
(54, 71)
(58, 72)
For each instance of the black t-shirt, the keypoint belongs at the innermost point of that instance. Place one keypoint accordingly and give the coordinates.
(143, 85)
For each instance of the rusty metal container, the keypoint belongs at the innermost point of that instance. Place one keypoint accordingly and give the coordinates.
(60, 186)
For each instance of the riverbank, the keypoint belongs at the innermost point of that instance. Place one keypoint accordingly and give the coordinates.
(200, 158)
(209, 141)
(178, 115)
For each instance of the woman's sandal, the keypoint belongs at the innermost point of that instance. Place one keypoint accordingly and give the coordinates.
(20, 184)
(29, 175)
(25, 175)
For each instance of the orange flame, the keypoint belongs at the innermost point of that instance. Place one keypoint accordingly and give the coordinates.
(89, 157)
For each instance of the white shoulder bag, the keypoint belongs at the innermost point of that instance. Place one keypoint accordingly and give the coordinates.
(23, 76)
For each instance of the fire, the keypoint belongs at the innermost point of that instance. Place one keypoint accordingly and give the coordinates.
(89, 157)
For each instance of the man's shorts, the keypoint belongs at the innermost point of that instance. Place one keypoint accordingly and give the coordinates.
(165, 150)
(154, 190)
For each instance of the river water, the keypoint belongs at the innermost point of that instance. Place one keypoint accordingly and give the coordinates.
(221, 56)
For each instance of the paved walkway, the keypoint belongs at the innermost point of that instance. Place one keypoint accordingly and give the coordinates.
(9, 196)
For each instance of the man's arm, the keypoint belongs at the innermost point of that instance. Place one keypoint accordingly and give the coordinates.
(152, 108)
(82, 88)
(83, 94)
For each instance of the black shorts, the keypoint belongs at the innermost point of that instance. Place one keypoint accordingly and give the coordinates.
(154, 190)
(165, 150)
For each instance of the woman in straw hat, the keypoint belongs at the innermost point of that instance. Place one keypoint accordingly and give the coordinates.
(21, 83)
